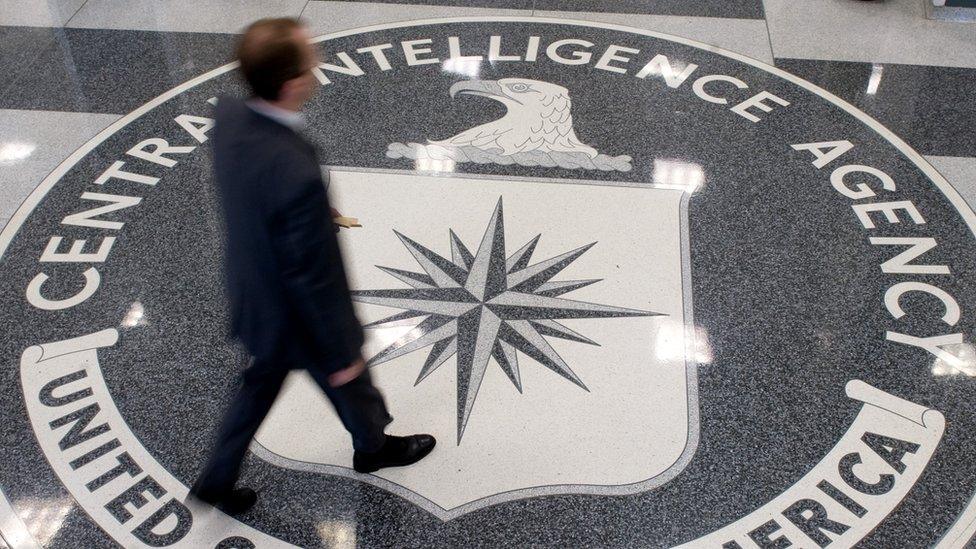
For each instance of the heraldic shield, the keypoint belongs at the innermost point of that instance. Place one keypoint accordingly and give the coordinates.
(550, 350)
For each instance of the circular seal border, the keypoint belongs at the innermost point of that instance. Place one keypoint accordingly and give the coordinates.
(964, 526)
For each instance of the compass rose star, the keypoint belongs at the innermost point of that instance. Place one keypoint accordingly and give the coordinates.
(485, 305)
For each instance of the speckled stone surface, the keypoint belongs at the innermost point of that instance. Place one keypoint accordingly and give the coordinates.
(181, 15)
(101, 71)
(39, 141)
(744, 9)
(867, 32)
(784, 282)
(746, 36)
(930, 107)
(324, 16)
(503, 4)
(961, 172)
(22, 46)
(48, 13)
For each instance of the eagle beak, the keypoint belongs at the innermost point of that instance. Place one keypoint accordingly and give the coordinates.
(485, 88)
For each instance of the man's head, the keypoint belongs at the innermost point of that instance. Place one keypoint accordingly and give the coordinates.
(277, 60)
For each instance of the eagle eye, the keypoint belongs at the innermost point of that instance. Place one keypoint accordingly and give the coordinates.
(519, 87)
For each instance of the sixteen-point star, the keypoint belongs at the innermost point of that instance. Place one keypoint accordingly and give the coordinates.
(485, 305)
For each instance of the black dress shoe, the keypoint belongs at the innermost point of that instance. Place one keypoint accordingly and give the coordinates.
(396, 452)
(233, 503)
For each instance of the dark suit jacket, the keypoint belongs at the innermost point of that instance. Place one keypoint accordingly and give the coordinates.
(285, 279)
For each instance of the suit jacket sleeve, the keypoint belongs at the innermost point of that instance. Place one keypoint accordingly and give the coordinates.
(311, 263)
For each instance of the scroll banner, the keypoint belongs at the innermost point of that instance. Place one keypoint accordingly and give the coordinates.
(140, 504)
(859, 483)
(102, 463)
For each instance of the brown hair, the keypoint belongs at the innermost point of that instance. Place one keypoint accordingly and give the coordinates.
(270, 55)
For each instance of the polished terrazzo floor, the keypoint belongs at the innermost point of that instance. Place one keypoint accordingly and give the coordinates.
(733, 305)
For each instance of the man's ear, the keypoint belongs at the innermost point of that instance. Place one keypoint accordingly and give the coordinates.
(287, 89)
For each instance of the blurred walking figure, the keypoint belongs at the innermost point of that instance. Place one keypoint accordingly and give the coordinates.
(289, 298)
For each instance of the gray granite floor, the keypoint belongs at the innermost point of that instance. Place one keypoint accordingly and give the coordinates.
(756, 255)
(930, 107)
(105, 71)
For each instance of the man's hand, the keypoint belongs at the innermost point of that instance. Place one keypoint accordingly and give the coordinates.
(335, 214)
(340, 220)
(348, 373)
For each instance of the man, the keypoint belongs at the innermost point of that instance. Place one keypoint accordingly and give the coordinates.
(290, 303)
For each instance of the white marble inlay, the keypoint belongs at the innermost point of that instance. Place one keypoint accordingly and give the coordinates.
(961, 173)
(893, 31)
(33, 143)
(38, 13)
(632, 425)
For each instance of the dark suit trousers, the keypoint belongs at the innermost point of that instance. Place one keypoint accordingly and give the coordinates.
(359, 404)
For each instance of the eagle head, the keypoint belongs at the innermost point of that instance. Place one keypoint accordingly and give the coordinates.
(514, 92)
(537, 119)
